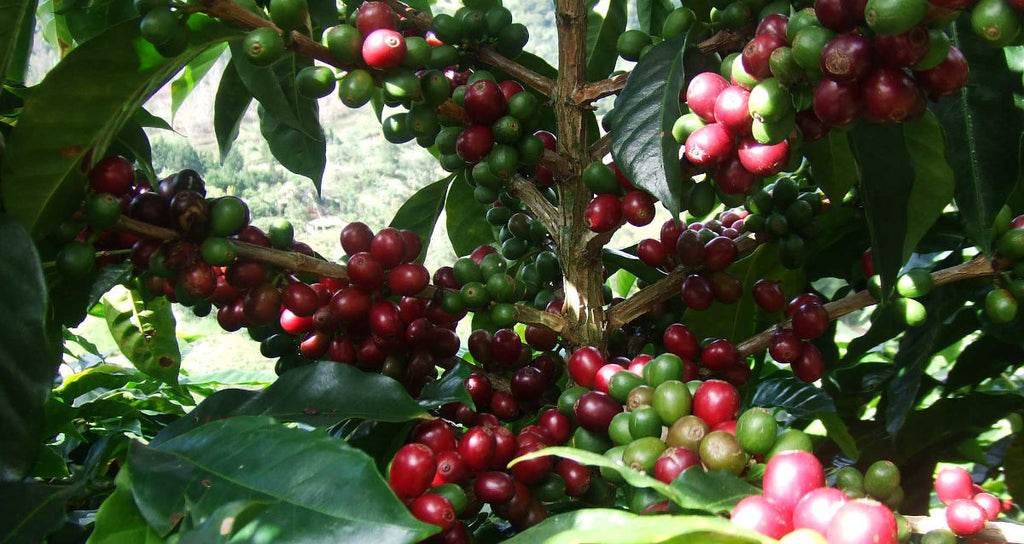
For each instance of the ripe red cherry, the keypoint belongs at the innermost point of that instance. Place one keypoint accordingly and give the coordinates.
(790, 475)
(506, 347)
(356, 237)
(541, 338)
(385, 319)
(494, 487)
(557, 424)
(408, 279)
(504, 442)
(350, 304)
(434, 509)
(604, 375)
(384, 49)
(480, 389)
(953, 483)
(732, 177)
(811, 128)
(412, 470)
(365, 271)
(341, 350)
(485, 102)
(680, 341)
(762, 515)
(847, 58)
(651, 252)
(836, 15)
(773, 24)
(113, 175)
(638, 208)
(702, 93)
(293, 324)
(719, 254)
(719, 355)
(810, 321)
(594, 411)
(990, 503)
(768, 295)
(373, 16)
(528, 383)
(891, 96)
(786, 346)
(480, 252)
(603, 213)
(862, 522)
(584, 364)
(716, 401)
(690, 248)
(476, 448)
(388, 247)
(510, 88)
(810, 365)
(300, 298)
(315, 345)
(757, 52)
(435, 434)
(576, 476)
(965, 517)
(697, 292)
(672, 462)
(731, 110)
(901, 50)
(946, 78)
(817, 508)
(763, 159)
(533, 470)
(709, 145)
(474, 143)
(836, 104)
(800, 300)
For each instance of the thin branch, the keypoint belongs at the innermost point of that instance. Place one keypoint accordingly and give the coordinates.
(978, 267)
(640, 302)
(994, 531)
(559, 165)
(601, 147)
(531, 196)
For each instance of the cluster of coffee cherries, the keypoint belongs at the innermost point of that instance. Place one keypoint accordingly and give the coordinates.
(163, 25)
(798, 507)
(808, 320)
(968, 506)
(782, 212)
(519, 232)
(672, 248)
(615, 200)
(1002, 301)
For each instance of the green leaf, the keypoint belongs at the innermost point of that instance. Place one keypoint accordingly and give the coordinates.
(601, 59)
(229, 107)
(951, 420)
(107, 278)
(715, 491)
(837, 430)
(642, 142)
(464, 216)
(148, 120)
(192, 75)
(833, 167)
(15, 69)
(144, 332)
(983, 129)
(651, 14)
(886, 183)
(12, 17)
(322, 394)
(933, 178)
(801, 400)
(617, 259)
(633, 477)
(27, 365)
(133, 143)
(420, 212)
(593, 525)
(1013, 467)
(323, 14)
(296, 150)
(119, 521)
(57, 138)
(274, 88)
(450, 388)
(984, 358)
(226, 522)
(319, 488)
(39, 510)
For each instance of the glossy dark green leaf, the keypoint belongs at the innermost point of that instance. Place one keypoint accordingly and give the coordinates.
(17, 23)
(651, 14)
(420, 212)
(602, 56)
(39, 510)
(451, 387)
(192, 74)
(1014, 468)
(833, 167)
(933, 178)
(642, 142)
(950, 420)
(984, 358)
(838, 432)
(296, 150)
(224, 524)
(464, 216)
(56, 139)
(802, 400)
(321, 394)
(319, 488)
(598, 525)
(229, 107)
(983, 129)
(273, 87)
(617, 259)
(144, 332)
(118, 520)
(323, 14)
(715, 491)
(133, 143)
(27, 365)
(107, 278)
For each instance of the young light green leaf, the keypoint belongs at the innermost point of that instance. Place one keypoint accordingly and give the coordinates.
(144, 332)
(193, 73)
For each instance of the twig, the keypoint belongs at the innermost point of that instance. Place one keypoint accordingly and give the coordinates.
(977, 267)
(601, 147)
(531, 196)
(640, 302)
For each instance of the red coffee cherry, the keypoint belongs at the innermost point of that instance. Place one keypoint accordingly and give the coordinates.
(412, 470)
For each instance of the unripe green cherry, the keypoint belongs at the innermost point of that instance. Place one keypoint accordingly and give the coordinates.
(315, 81)
(917, 282)
(642, 453)
(672, 401)
(807, 46)
(290, 14)
(938, 50)
(344, 42)
(684, 126)
(1000, 306)
(159, 25)
(756, 430)
(678, 21)
(631, 43)
(600, 179)
(770, 101)
(894, 16)
(417, 53)
(355, 88)
(396, 128)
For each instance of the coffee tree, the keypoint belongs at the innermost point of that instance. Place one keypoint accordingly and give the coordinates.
(822, 335)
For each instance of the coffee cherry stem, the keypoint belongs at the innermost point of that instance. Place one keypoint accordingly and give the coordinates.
(978, 267)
